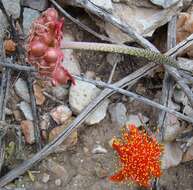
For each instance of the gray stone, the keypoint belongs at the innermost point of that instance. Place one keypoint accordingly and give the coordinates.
(172, 155)
(45, 178)
(70, 62)
(165, 3)
(3, 24)
(98, 149)
(134, 119)
(142, 19)
(60, 92)
(186, 64)
(179, 96)
(81, 95)
(104, 4)
(29, 15)
(172, 128)
(56, 168)
(26, 110)
(58, 182)
(21, 90)
(38, 5)
(99, 114)
(118, 114)
(12, 7)
(188, 110)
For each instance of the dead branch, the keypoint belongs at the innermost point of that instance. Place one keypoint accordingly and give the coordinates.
(168, 83)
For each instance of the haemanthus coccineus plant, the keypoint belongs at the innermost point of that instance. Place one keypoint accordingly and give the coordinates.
(43, 47)
(139, 156)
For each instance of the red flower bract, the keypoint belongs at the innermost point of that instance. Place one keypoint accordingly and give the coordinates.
(139, 157)
(43, 47)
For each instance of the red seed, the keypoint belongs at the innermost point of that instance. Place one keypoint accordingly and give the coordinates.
(51, 55)
(47, 38)
(37, 48)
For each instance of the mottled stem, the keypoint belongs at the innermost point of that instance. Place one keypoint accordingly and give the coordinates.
(114, 48)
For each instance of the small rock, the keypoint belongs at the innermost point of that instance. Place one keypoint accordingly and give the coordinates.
(70, 62)
(18, 115)
(99, 150)
(8, 111)
(44, 124)
(38, 93)
(173, 105)
(113, 58)
(12, 8)
(99, 114)
(45, 178)
(28, 131)
(26, 110)
(186, 64)
(29, 15)
(188, 110)
(118, 114)
(60, 92)
(172, 128)
(142, 19)
(164, 3)
(188, 155)
(184, 29)
(3, 24)
(80, 96)
(57, 169)
(101, 172)
(70, 141)
(90, 74)
(104, 4)
(38, 5)
(134, 119)
(179, 96)
(21, 90)
(61, 114)
(172, 155)
(58, 182)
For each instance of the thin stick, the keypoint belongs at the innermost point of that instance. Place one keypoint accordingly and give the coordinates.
(53, 98)
(17, 67)
(168, 82)
(34, 112)
(136, 97)
(112, 72)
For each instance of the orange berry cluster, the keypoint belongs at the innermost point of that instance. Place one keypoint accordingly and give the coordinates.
(139, 157)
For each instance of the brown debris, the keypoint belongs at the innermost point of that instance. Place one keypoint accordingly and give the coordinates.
(10, 46)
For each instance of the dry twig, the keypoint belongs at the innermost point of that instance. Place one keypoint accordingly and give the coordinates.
(168, 83)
